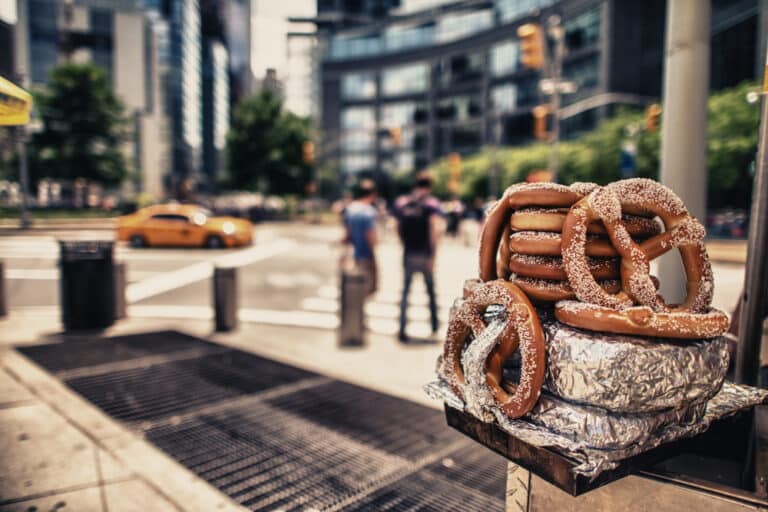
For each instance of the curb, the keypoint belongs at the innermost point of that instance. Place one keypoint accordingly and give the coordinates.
(164, 475)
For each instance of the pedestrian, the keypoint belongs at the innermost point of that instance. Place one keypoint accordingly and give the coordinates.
(418, 216)
(360, 231)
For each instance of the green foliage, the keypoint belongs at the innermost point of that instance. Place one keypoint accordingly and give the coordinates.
(83, 127)
(264, 147)
(595, 156)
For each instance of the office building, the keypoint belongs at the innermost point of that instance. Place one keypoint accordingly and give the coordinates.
(449, 78)
(131, 44)
(215, 109)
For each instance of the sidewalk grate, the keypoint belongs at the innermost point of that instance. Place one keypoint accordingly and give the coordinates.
(83, 351)
(148, 393)
(285, 446)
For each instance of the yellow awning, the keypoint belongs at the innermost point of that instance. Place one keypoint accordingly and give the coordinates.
(15, 104)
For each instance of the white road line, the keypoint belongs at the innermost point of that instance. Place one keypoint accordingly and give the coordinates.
(193, 273)
(373, 309)
(53, 274)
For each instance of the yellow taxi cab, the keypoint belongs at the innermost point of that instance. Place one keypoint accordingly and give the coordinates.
(180, 225)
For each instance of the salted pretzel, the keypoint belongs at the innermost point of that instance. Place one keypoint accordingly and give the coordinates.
(546, 195)
(642, 320)
(643, 196)
(551, 267)
(552, 219)
(542, 243)
(546, 290)
(523, 331)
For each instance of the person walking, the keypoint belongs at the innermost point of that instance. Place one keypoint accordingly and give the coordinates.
(418, 215)
(360, 231)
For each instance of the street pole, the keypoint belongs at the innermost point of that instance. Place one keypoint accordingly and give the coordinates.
(23, 175)
(755, 281)
(684, 130)
(557, 34)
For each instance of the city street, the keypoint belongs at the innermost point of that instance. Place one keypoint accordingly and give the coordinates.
(288, 277)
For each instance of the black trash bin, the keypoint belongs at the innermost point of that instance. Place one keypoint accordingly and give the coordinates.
(87, 284)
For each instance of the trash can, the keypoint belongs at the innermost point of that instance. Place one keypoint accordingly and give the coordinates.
(353, 295)
(87, 284)
(225, 298)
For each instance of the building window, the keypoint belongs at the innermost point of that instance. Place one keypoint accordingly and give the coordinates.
(583, 72)
(355, 163)
(404, 113)
(504, 58)
(412, 78)
(398, 38)
(583, 30)
(457, 26)
(356, 86)
(459, 108)
(509, 10)
(357, 141)
(350, 47)
(504, 98)
(461, 69)
(358, 118)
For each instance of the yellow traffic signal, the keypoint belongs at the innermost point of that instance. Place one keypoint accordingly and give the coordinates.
(396, 134)
(308, 152)
(531, 45)
(652, 115)
(540, 114)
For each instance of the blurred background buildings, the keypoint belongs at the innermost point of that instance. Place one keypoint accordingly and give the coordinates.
(392, 85)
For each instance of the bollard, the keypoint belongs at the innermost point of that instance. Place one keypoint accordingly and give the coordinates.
(120, 304)
(86, 286)
(225, 298)
(352, 316)
(3, 303)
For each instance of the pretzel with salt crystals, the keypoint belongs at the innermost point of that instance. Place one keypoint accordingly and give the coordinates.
(552, 219)
(642, 321)
(523, 330)
(539, 243)
(546, 290)
(642, 196)
(547, 195)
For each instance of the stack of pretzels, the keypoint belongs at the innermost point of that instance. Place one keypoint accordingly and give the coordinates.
(582, 252)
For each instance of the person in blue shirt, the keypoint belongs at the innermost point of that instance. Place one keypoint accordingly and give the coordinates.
(360, 225)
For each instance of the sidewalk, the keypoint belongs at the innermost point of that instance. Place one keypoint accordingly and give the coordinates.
(61, 449)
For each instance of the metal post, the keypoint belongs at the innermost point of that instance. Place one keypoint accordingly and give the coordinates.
(755, 280)
(684, 130)
(3, 302)
(557, 33)
(518, 489)
(352, 315)
(120, 303)
(225, 298)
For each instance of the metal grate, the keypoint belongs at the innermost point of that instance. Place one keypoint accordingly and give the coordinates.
(381, 421)
(172, 388)
(330, 446)
(84, 351)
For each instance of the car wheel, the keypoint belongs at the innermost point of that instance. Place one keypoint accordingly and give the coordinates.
(214, 242)
(138, 241)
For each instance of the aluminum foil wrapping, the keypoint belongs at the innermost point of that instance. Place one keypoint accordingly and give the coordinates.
(596, 438)
(631, 374)
(591, 460)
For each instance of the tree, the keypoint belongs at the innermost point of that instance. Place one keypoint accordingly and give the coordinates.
(84, 127)
(264, 147)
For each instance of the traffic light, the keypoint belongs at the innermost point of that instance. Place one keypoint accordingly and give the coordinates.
(531, 46)
(652, 115)
(540, 114)
(308, 152)
(396, 134)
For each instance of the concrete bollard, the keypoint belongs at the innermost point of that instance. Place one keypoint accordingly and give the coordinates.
(225, 298)
(3, 303)
(352, 313)
(120, 282)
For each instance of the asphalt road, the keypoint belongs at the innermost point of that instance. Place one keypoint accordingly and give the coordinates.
(288, 277)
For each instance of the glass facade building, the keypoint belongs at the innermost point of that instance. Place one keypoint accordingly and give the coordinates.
(449, 78)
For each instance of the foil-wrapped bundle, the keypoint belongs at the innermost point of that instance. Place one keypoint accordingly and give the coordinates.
(631, 374)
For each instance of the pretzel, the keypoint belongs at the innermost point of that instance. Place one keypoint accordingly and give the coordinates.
(637, 195)
(552, 219)
(542, 243)
(643, 321)
(502, 262)
(551, 267)
(523, 331)
(549, 195)
(544, 290)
